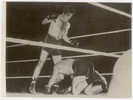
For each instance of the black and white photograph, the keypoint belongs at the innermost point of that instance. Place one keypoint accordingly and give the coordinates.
(69, 49)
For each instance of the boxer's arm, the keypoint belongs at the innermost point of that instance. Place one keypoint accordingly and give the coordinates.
(102, 78)
(68, 40)
(103, 81)
(65, 36)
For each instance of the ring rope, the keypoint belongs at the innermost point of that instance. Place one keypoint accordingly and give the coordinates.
(67, 57)
(20, 61)
(110, 9)
(33, 60)
(84, 36)
(17, 77)
(15, 45)
(53, 46)
(48, 76)
(101, 33)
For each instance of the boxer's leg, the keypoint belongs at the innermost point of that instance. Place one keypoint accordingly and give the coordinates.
(38, 68)
(42, 60)
(55, 78)
(78, 85)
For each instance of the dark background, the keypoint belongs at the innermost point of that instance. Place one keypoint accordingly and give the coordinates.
(24, 22)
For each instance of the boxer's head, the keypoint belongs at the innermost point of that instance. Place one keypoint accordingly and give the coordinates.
(67, 14)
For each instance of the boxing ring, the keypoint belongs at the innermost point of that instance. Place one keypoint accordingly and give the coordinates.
(85, 52)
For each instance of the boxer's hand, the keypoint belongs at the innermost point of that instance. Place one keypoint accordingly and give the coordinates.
(52, 17)
(74, 43)
(71, 43)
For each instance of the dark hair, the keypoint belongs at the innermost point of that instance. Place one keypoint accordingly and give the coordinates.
(69, 10)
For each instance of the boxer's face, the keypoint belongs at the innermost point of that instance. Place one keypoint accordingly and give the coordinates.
(67, 17)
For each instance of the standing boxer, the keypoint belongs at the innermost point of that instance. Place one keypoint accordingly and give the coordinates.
(58, 31)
